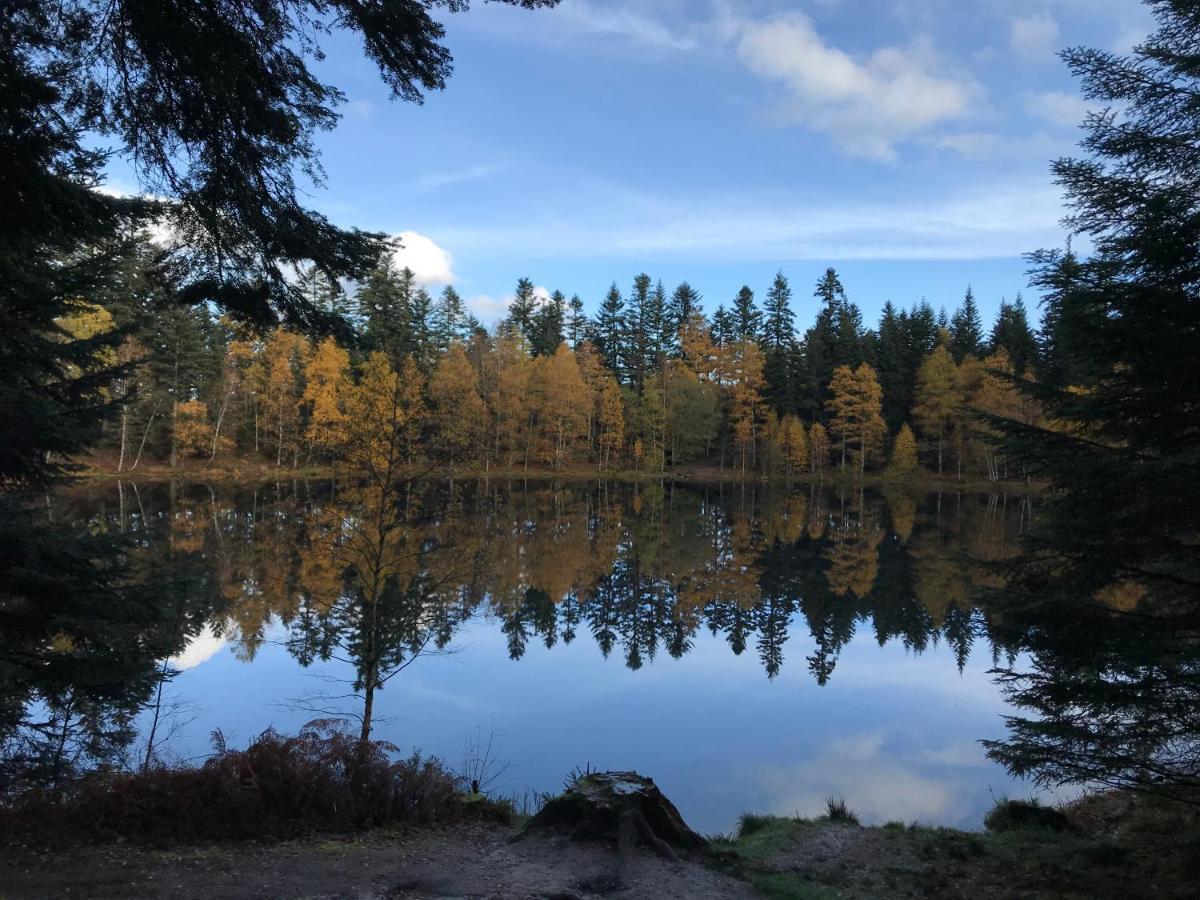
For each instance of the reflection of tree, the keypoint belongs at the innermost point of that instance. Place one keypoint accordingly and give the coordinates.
(82, 644)
(372, 582)
(384, 611)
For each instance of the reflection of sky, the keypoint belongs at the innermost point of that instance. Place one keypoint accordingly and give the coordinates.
(893, 733)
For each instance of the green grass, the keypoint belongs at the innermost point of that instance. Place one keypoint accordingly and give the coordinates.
(1147, 848)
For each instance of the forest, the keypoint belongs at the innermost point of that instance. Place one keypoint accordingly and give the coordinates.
(649, 382)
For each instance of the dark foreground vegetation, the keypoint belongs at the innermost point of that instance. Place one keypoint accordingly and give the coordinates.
(336, 809)
(322, 780)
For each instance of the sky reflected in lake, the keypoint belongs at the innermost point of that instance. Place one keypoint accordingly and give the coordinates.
(767, 648)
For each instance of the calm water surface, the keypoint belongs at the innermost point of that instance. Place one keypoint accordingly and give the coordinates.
(751, 648)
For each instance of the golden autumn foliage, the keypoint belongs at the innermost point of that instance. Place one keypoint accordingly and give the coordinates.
(327, 385)
(193, 433)
(458, 412)
(903, 461)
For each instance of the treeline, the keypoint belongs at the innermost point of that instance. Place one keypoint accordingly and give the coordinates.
(650, 381)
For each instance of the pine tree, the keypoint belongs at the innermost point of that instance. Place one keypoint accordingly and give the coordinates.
(522, 309)
(423, 325)
(547, 325)
(966, 329)
(779, 346)
(384, 301)
(449, 319)
(1012, 334)
(644, 332)
(747, 319)
(724, 326)
(576, 324)
(611, 331)
(684, 302)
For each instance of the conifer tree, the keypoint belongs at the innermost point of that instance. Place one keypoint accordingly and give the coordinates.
(449, 319)
(547, 325)
(779, 346)
(684, 302)
(1012, 334)
(576, 324)
(724, 326)
(747, 318)
(384, 301)
(966, 329)
(611, 330)
(522, 309)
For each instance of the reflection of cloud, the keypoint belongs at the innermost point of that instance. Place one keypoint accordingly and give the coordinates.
(199, 649)
(877, 788)
(963, 753)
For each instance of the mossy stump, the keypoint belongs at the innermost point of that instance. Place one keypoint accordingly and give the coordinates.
(622, 807)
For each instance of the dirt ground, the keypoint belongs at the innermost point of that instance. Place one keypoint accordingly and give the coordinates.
(467, 862)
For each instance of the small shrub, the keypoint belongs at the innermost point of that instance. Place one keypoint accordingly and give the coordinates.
(322, 779)
(837, 811)
(749, 823)
(1009, 815)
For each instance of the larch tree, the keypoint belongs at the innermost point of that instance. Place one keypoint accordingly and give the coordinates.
(903, 461)
(610, 421)
(326, 387)
(458, 412)
(818, 444)
(563, 400)
(939, 400)
(796, 455)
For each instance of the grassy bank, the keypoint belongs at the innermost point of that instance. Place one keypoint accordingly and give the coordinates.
(1116, 846)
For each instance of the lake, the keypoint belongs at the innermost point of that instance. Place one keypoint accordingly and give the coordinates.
(751, 647)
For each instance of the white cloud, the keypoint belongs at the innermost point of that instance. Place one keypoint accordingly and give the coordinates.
(487, 308)
(490, 309)
(201, 648)
(624, 22)
(866, 104)
(1034, 36)
(1058, 108)
(430, 263)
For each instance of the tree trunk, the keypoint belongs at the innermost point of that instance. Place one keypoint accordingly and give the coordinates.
(623, 807)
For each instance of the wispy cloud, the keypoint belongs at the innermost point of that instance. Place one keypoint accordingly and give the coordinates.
(1003, 219)
(1058, 108)
(625, 22)
(1034, 37)
(437, 180)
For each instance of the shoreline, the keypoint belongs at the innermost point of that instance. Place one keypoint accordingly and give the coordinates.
(256, 473)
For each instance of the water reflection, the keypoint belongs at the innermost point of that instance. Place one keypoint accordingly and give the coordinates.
(359, 580)
(352, 572)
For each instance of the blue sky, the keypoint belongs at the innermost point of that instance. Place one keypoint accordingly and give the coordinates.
(905, 142)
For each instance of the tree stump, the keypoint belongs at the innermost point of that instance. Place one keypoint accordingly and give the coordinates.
(623, 807)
